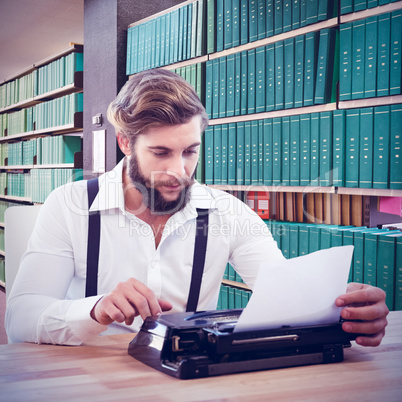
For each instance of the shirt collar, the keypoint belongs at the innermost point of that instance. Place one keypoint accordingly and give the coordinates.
(111, 194)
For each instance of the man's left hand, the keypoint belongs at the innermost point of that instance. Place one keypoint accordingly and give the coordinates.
(365, 306)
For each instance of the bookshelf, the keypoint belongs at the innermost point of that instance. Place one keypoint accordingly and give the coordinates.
(315, 17)
(41, 126)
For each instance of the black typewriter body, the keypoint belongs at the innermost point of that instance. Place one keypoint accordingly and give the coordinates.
(202, 344)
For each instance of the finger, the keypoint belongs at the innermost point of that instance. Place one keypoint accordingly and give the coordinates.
(165, 305)
(144, 300)
(365, 327)
(365, 313)
(372, 340)
(367, 294)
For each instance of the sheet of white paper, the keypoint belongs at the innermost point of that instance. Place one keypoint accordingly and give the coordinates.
(298, 291)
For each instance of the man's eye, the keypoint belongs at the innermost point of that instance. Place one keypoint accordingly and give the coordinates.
(160, 153)
(190, 151)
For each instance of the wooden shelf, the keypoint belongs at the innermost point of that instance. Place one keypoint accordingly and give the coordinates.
(376, 192)
(274, 189)
(235, 284)
(22, 200)
(370, 102)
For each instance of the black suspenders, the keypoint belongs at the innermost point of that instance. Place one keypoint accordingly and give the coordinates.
(201, 238)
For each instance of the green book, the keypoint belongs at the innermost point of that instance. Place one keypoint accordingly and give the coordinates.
(230, 85)
(247, 153)
(180, 33)
(208, 141)
(269, 23)
(235, 23)
(398, 273)
(366, 147)
(220, 24)
(303, 239)
(359, 5)
(310, 63)
(285, 241)
(261, 20)
(251, 69)
(285, 151)
(346, 6)
(215, 88)
(130, 36)
(358, 59)
(325, 66)
(305, 155)
(325, 149)
(395, 170)
(294, 240)
(211, 38)
(237, 84)
(345, 48)
(383, 63)
(338, 158)
(189, 29)
(314, 237)
(315, 145)
(277, 151)
(254, 152)
(158, 40)
(218, 154)
(386, 268)
(352, 151)
(253, 20)
(312, 12)
(287, 16)
(232, 153)
(295, 14)
(370, 55)
(372, 3)
(396, 59)
(278, 17)
(299, 70)
(243, 22)
(208, 87)
(370, 258)
(260, 80)
(200, 32)
(268, 152)
(279, 87)
(238, 298)
(303, 13)
(289, 60)
(163, 42)
(244, 82)
(194, 21)
(240, 149)
(69, 145)
(260, 152)
(381, 147)
(227, 32)
(224, 153)
(294, 150)
(270, 77)
(222, 86)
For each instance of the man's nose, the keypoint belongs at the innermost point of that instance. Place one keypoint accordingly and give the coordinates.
(177, 167)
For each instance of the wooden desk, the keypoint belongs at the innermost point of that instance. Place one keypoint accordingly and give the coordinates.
(102, 370)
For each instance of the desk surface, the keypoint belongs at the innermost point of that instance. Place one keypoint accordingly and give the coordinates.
(102, 370)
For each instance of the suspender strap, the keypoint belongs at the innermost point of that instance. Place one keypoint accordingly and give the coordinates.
(93, 241)
(200, 249)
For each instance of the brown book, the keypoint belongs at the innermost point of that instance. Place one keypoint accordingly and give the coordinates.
(281, 204)
(299, 207)
(345, 219)
(327, 209)
(336, 209)
(319, 208)
(290, 216)
(357, 210)
(310, 210)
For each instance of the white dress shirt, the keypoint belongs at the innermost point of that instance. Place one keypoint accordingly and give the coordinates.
(47, 303)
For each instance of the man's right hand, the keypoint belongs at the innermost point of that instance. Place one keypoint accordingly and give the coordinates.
(126, 301)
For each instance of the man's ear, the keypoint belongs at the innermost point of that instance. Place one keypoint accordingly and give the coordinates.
(124, 144)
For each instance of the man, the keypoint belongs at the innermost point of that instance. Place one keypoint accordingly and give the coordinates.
(148, 205)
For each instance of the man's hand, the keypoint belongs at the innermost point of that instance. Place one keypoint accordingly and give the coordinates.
(366, 304)
(128, 300)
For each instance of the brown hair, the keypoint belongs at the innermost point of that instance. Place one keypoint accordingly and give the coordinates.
(154, 98)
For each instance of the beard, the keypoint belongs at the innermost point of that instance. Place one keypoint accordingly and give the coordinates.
(151, 196)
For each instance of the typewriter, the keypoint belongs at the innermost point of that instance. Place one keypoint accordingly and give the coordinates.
(202, 344)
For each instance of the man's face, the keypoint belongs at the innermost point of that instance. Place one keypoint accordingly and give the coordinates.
(163, 163)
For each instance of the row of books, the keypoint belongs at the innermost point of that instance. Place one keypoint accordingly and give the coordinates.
(166, 39)
(377, 257)
(319, 208)
(2, 245)
(47, 150)
(194, 74)
(344, 148)
(237, 22)
(49, 77)
(232, 297)
(350, 6)
(37, 184)
(17, 122)
(54, 113)
(286, 74)
(2, 270)
(370, 62)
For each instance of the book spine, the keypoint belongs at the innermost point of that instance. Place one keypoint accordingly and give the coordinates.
(277, 151)
(395, 158)
(247, 153)
(345, 76)
(305, 150)
(358, 39)
(383, 66)
(381, 147)
(386, 269)
(326, 149)
(310, 68)
(396, 58)
(240, 150)
(260, 79)
(232, 154)
(289, 60)
(366, 148)
(279, 87)
(209, 155)
(268, 152)
(370, 68)
(270, 77)
(339, 130)
(315, 144)
(352, 148)
(251, 69)
(224, 153)
(217, 155)
(285, 151)
(294, 150)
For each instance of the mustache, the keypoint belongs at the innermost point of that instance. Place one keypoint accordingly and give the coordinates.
(183, 181)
